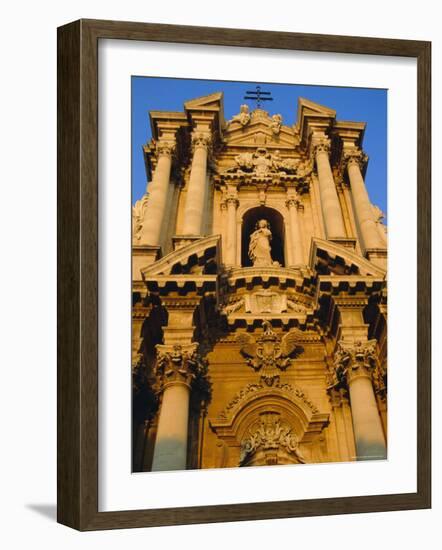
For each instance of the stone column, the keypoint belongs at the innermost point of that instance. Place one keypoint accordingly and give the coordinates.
(232, 205)
(293, 204)
(354, 365)
(177, 366)
(158, 194)
(196, 190)
(361, 202)
(331, 208)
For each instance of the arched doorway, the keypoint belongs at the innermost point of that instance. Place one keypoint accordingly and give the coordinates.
(276, 221)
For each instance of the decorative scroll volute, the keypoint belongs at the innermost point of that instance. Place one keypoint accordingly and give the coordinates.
(353, 360)
(356, 156)
(201, 140)
(165, 148)
(270, 438)
(179, 364)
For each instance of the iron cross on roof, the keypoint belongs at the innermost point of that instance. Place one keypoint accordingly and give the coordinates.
(257, 95)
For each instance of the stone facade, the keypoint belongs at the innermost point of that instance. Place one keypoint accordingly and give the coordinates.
(259, 293)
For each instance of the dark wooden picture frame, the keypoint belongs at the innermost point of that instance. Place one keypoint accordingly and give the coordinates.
(78, 274)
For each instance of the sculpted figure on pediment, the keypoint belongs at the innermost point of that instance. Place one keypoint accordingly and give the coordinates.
(244, 161)
(138, 211)
(263, 163)
(289, 165)
(276, 124)
(243, 117)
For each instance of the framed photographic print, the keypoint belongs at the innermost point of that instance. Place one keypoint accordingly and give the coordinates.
(225, 272)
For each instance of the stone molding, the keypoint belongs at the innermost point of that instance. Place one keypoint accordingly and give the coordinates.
(331, 251)
(200, 247)
(242, 397)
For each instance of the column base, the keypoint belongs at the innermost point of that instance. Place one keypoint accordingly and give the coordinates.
(142, 256)
(182, 240)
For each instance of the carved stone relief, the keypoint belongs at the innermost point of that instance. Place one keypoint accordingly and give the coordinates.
(138, 211)
(263, 163)
(269, 354)
(265, 301)
(270, 441)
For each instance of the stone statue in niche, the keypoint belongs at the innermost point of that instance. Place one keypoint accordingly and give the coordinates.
(259, 246)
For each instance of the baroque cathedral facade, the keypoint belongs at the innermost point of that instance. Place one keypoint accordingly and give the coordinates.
(259, 317)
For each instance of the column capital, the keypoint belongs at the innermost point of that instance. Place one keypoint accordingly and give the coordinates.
(352, 359)
(232, 199)
(178, 364)
(201, 140)
(293, 200)
(165, 148)
(354, 156)
(321, 145)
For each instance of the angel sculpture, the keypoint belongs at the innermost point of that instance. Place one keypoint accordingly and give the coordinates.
(269, 354)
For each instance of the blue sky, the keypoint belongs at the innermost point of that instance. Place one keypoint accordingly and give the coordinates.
(357, 104)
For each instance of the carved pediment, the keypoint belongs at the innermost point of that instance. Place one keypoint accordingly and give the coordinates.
(197, 258)
(258, 128)
(329, 258)
(211, 102)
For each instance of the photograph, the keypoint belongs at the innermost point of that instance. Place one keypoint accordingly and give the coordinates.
(259, 274)
(220, 231)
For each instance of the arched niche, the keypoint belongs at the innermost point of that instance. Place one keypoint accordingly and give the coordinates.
(276, 221)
